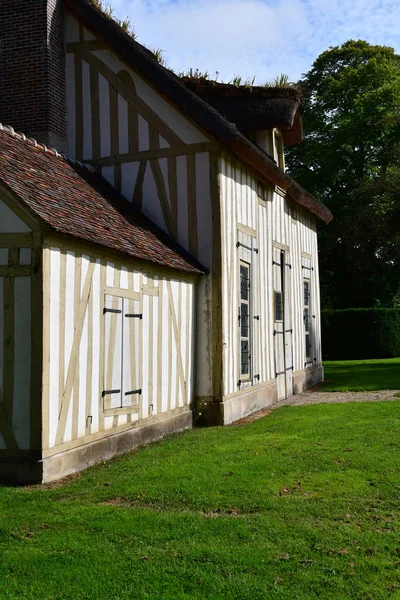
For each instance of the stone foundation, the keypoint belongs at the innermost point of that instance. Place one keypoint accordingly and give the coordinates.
(239, 405)
(24, 471)
(255, 398)
(307, 378)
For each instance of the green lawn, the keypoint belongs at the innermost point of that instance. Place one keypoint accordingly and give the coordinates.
(362, 375)
(302, 504)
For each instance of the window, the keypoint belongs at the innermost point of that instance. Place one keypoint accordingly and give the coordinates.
(244, 317)
(306, 317)
(278, 150)
(248, 322)
(262, 193)
(122, 321)
(278, 306)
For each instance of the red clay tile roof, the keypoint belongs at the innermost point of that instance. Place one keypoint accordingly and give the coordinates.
(69, 199)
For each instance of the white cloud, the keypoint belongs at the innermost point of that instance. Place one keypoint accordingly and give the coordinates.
(257, 37)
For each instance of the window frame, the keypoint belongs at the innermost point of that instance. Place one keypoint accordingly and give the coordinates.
(279, 151)
(245, 302)
(275, 306)
(135, 405)
(307, 319)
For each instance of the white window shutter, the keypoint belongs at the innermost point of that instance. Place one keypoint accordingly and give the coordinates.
(112, 393)
(132, 319)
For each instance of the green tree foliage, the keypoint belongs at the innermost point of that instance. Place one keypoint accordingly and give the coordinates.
(370, 333)
(350, 159)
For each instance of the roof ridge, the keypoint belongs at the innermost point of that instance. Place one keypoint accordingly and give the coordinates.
(41, 146)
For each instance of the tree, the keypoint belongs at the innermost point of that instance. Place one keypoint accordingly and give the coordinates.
(350, 159)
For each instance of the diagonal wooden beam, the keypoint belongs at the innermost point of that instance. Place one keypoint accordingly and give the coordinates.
(181, 375)
(160, 183)
(133, 120)
(162, 196)
(66, 399)
(126, 92)
(137, 196)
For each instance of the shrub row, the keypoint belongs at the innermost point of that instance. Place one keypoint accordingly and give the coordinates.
(357, 333)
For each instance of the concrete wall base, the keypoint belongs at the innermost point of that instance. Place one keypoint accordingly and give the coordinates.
(239, 405)
(25, 471)
(250, 400)
(307, 378)
(82, 457)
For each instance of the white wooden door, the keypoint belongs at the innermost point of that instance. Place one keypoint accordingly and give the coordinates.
(279, 333)
(283, 333)
(288, 327)
(249, 319)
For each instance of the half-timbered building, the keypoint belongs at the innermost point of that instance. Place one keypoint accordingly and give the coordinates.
(155, 263)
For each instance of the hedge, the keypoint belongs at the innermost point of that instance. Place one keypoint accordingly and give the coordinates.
(357, 333)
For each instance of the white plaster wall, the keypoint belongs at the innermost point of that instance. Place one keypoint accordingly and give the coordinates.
(267, 222)
(264, 140)
(203, 208)
(71, 28)
(71, 104)
(87, 113)
(22, 361)
(204, 340)
(171, 116)
(9, 222)
(21, 375)
(183, 229)
(127, 173)
(20, 305)
(2, 443)
(164, 386)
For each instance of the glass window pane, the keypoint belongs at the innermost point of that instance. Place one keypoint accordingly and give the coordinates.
(308, 346)
(244, 320)
(244, 313)
(306, 319)
(306, 293)
(278, 306)
(244, 282)
(245, 357)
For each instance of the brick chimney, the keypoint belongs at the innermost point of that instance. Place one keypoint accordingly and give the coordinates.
(32, 69)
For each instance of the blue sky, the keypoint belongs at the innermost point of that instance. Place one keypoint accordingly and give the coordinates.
(260, 38)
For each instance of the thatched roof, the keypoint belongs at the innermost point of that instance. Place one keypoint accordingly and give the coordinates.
(254, 108)
(190, 104)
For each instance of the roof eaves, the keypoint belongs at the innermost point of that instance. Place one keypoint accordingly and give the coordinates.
(43, 220)
(105, 250)
(131, 214)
